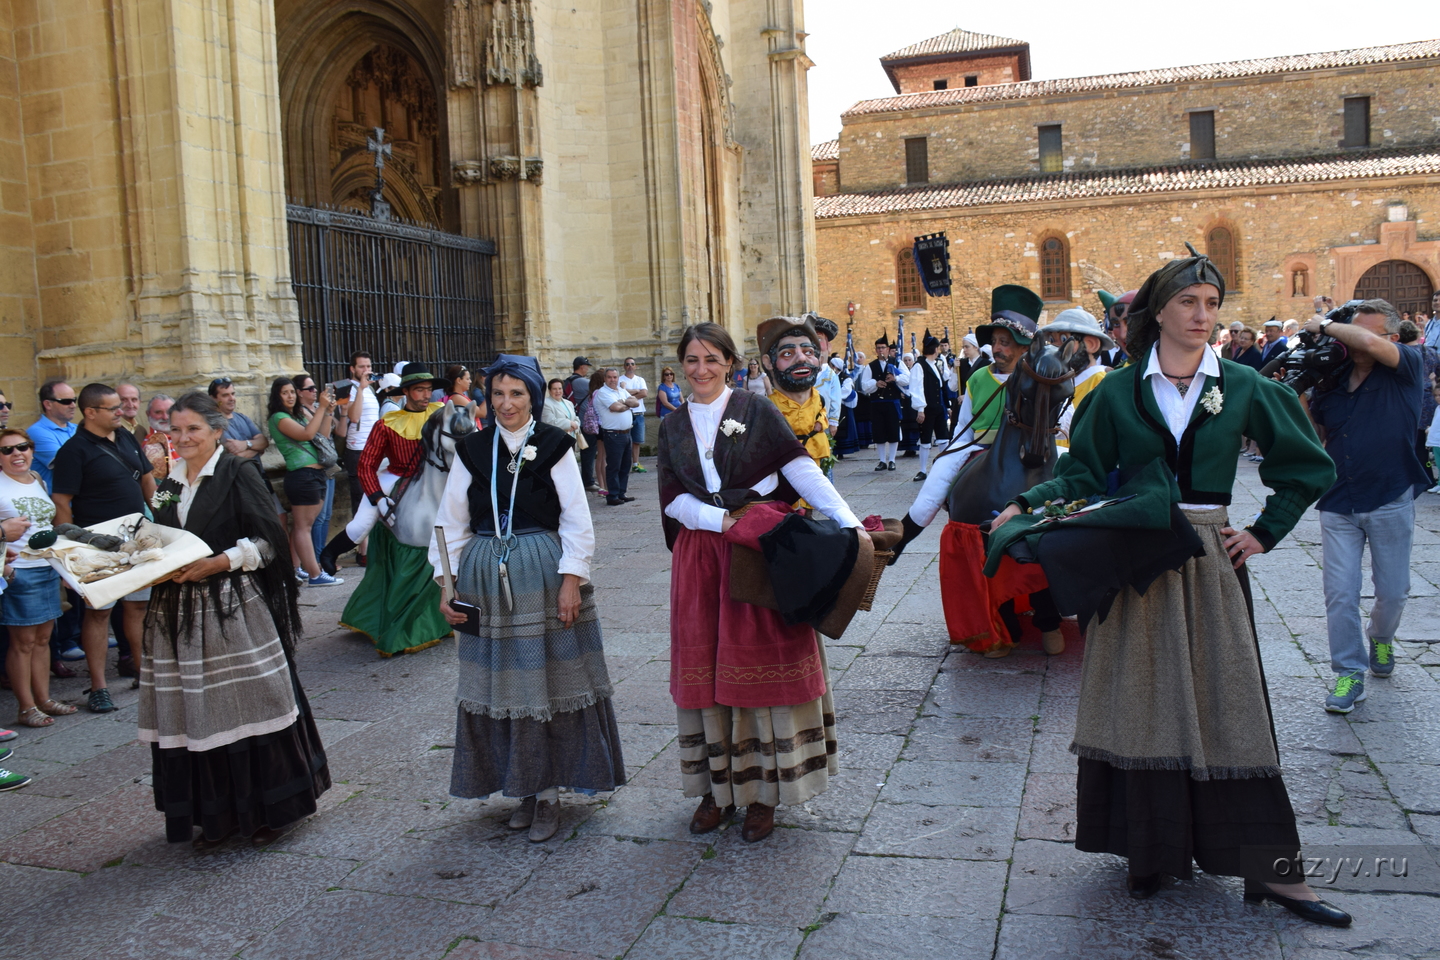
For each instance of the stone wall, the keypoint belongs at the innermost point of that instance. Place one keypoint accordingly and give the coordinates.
(1278, 115)
(1332, 231)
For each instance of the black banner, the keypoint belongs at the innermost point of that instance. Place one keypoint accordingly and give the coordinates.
(932, 259)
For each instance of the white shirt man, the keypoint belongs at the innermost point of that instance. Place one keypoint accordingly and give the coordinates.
(606, 397)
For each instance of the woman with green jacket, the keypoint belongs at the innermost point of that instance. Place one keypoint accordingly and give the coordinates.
(1177, 753)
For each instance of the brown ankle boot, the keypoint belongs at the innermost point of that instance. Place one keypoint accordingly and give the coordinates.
(708, 815)
(759, 822)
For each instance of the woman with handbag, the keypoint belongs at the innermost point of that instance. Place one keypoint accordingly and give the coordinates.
(592, 458)
(305, 480)
(752, 695)
(324, 442)
(533, 709)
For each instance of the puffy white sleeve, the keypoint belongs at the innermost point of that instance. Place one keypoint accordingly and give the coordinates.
(453, 516)
(694, 513)
(249, 554)
(943, 471)
(820, 493)
(952, 382)
(917, 391)
(867, 382)
(577, 532)
(902, 377)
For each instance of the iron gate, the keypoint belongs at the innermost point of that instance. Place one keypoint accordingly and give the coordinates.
(393, 290)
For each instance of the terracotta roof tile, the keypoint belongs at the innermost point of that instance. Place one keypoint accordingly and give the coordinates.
(1133, 182)
(956, 41)
(1418, 50)
(829, 150)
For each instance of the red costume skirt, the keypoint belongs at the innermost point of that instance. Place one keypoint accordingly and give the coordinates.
(971, 599)
(730, 653)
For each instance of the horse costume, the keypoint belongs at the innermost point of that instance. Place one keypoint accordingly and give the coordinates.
(1005, 445)
(397, 605)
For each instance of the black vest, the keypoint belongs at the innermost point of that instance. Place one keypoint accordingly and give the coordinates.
(537, 505)
(934, 394)
(883, 390)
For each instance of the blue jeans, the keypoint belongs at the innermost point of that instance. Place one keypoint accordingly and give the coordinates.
(1391, 531)
(321, 527)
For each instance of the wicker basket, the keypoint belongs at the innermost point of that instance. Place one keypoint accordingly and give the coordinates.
(882, 560)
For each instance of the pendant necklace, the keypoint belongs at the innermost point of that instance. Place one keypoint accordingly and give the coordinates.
(505, 522)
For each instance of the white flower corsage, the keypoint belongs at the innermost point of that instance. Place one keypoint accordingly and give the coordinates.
(529, 452)
(732, 427)
(163, 497)
(1213, 401)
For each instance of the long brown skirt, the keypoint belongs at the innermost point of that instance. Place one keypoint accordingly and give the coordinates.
(1162, 820)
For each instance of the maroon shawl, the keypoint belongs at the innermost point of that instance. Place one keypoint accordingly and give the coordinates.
(723, 651)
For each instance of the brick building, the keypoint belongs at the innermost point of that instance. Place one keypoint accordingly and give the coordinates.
(1298, 175)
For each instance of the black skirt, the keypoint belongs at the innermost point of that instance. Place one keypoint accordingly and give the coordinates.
(270, 780)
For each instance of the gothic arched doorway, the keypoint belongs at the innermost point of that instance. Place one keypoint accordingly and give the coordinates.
(1400, 282)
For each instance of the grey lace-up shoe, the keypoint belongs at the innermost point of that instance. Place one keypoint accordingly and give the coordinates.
(547, 821)
(524, 814)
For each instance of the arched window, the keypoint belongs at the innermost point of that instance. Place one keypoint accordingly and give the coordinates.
(908, 291)
(1054, 269)
(1220, 248)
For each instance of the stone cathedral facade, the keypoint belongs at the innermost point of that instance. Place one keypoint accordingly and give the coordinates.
(615, 170)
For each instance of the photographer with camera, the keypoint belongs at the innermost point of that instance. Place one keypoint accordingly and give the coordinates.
(1368, 412)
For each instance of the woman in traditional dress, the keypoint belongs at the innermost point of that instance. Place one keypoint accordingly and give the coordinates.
(1178, 759)
(232, 740)
(533, 709)
(757, 726)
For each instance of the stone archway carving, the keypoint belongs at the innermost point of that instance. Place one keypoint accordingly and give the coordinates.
(1399, 282)
(1398, 241)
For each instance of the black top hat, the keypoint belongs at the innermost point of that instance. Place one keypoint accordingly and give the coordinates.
(413, 374)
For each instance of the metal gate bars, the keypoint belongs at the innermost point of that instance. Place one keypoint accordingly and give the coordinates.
(393, 290)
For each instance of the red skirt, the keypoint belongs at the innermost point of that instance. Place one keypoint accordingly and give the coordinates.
(971, 599)
(726, 652)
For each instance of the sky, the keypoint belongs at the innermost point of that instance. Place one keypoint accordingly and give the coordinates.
(1084, 37)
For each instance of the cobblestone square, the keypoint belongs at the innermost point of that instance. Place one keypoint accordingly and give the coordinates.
(943, 836)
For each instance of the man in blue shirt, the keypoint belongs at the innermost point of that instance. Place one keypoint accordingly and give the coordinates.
(49, 433)
(1368, 424)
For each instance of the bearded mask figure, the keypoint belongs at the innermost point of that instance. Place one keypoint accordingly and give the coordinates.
(1076, 357)
(795, 364)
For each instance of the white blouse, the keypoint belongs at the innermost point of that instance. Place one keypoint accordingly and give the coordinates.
(246, 554)
(802, 472)
(1176, 409)
(577, 533)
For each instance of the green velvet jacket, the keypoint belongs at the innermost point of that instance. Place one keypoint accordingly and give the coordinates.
(1120, 427)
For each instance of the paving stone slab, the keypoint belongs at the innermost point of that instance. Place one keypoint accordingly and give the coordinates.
(953, 833)
(1415, 785)
(26, 885)
(866, 936)
(654, 813)
(1051, 754)
(357, 829)
(955, 783)
(596, 894)
(979, 695)
(801, 864)
(177, 938)
(890, 673)
(906, 886)
(461, 871)
(490, 950)
(81, 741)
(968, 738)
(1384, 924)
(843, 806)
(1048, 809)
(870, 751)
(89, 836)
(343, 924)
(877, 711)
(644, 703)
(1064, 938)
(674, 938)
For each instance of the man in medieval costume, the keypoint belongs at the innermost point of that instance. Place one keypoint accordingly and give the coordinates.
(792, 358)
(1081, 341)
(1114, 314)
(980, 612)
(884, 380)
(831, 383)
(397, 605)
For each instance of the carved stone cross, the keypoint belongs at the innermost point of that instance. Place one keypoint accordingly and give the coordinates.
(376, 144)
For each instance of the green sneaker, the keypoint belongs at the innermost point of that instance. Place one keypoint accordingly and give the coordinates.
(12, 781)
(1382, 659)
(636, 468)
(1349, 690)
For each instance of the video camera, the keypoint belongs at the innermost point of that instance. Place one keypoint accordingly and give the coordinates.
(1314, 360)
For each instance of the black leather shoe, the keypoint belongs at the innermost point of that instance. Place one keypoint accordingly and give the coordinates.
(628, 499)
(1143, 888)
(1316, 911)
(919, 476)
(329, 558)
(890, 465)
(881, 466)
(613, 501)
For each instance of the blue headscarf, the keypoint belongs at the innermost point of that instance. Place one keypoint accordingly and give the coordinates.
(521, 368)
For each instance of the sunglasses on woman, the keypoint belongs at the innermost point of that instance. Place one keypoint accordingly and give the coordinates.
(22, 447)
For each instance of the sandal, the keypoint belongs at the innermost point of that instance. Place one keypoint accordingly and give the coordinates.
(56, 709)
(34, 717)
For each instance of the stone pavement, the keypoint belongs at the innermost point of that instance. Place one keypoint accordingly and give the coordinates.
(945, 834)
